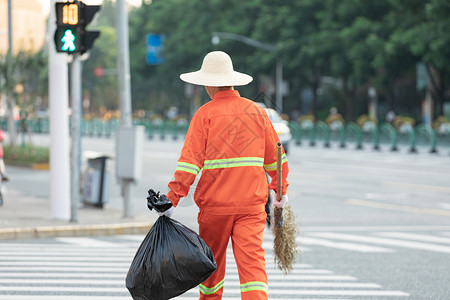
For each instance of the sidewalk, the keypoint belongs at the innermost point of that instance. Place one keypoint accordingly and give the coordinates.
(26, 215)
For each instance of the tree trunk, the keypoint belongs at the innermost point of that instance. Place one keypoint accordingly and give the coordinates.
(436, 87)
(315, 86)
(349, 101)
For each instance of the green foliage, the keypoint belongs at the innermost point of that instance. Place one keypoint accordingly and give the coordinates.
(357, 43)
(362, 43)
(25, 155)
(26, 77)
(102, 91)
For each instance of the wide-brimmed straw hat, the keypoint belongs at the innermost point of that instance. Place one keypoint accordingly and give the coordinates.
(217, 70)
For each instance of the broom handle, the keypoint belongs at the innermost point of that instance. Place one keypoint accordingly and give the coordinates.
(279, 171)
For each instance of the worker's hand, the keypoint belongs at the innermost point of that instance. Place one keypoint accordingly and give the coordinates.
(160, 203)
(281, 203)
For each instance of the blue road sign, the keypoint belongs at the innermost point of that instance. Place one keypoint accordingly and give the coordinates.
(154, 49)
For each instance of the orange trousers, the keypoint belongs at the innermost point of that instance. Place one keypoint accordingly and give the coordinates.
(246, 233)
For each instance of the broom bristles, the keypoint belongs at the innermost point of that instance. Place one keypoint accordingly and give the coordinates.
(284, 244)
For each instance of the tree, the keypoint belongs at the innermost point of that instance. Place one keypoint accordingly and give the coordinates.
(422, 31)
(102, 90)
(25, 81)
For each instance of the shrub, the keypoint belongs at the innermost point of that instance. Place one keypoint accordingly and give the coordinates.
(25, 155)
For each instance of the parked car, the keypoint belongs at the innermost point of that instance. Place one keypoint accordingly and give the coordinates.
(281, 127)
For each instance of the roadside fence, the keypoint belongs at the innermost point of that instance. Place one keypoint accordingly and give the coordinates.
(385, 137)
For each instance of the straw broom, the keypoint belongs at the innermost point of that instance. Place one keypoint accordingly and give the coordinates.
(284, 227)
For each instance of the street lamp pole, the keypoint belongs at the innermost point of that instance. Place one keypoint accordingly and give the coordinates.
(9, 73)
(216, 36)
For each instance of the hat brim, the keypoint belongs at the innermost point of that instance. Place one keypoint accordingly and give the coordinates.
(210, 79)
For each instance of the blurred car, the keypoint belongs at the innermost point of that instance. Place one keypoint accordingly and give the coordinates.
(280, 126)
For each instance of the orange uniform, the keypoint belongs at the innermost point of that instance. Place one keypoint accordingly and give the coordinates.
(232, 142)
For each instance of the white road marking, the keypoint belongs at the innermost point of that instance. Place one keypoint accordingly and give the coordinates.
(344, 246)
(28, 271)
(374, 228)
(418, 237)
(384, 241)
(87, 242)
(272, 291)
(89, 282)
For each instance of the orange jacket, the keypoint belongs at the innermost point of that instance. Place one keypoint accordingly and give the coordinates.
(232, 142)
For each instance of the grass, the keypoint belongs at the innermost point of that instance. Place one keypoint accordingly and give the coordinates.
(26, 155)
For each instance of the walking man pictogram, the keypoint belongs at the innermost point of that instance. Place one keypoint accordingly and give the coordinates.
(68, 40)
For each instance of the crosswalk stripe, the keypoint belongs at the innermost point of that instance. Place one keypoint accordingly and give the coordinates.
(61, 258)
(90, 242)
(61, 270)
(19, 254)
(67, 266)
(106, 272)
(418, 237)
(344, 246)
(59, 275)
(341, 293)
(62, 248)
(374, 228)
(88, 265)
(66, 297)
(65, 289)
(90, 268)
(15, 282)
(384, 241)
(272, 291)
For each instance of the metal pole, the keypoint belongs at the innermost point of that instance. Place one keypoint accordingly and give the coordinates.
(126, 193)
(10, 81)
(123, 64)
(76, 100)
(123, 68)
(279, 86)
(59, 126)
(9, 26)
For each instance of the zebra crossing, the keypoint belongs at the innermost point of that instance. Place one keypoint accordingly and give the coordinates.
(95, 268)
(379, 242)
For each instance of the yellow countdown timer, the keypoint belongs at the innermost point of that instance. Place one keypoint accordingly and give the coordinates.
(70, 14)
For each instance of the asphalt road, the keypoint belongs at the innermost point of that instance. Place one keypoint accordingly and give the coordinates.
(377, 216)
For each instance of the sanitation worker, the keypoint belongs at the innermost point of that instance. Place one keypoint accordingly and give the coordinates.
(232, 142)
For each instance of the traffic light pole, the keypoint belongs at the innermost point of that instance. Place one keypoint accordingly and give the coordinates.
(75, 130)
(59, 129)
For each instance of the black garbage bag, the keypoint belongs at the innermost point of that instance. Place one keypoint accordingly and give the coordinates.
(171, 260)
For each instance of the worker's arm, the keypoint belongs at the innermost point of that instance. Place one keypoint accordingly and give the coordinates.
(190, 161)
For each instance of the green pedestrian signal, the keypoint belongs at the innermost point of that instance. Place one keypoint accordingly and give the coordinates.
(68, 40)
(72, 18)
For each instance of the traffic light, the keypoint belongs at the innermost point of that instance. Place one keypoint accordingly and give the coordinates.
(71, 21)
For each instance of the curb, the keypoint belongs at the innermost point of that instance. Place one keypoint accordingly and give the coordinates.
(40, 166)
(41, 232)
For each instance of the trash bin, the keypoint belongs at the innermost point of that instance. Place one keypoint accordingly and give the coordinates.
(97, 180)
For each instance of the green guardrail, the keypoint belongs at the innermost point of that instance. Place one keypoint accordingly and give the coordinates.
(386, 134)
(379, 137)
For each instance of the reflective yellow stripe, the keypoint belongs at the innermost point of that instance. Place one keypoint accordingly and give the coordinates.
(208, 291)
(187, 167)
(254, 286)
(233, 162)
(273, 167)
